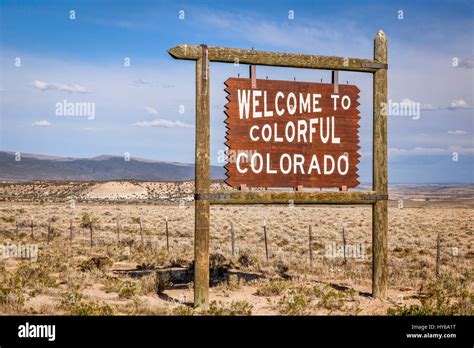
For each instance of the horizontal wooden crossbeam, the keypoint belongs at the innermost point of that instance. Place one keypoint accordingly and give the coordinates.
(288, 197)
(288, 60)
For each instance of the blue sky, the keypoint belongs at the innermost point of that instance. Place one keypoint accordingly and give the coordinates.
(137, 108)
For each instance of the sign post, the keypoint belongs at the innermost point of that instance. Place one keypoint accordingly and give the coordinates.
(202, 182)
(324, 153)
(380, 176)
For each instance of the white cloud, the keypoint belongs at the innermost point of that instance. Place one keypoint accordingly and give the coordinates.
(457, 132)
(458, 104)
(42, 123)
(151, 111)
(163, 123)
(430, 151)
(467, 63)
(428, 107)
(141, 81)
(52, 86)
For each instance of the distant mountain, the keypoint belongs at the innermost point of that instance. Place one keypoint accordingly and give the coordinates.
(104, 167)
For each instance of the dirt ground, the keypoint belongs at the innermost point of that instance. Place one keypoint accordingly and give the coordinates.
(135, 274)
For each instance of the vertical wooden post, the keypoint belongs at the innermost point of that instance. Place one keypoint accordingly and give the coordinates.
(202, 182)
(49, 230)
(265, 238)
(167, 235)
(118, 229)
(344, 245)
(17, 229)
(310, 245)
(91, 231)
(32, 228)
(70, 229)
(232, 237)
(438, 255)
(379, 208)
(141, 230)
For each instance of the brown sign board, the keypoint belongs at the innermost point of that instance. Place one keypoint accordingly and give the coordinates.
(291, 134)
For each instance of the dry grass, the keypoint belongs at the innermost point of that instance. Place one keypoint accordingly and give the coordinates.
(71, 277)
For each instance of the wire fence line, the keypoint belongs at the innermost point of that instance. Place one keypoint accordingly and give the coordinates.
(341, 245)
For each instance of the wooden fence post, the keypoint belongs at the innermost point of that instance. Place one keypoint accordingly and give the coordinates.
(49, 230)
(379, 181)
(70, 229)
(17, 232)
(438, 255)
(344, 245)
(167, 235)
(91, 230)
(265, 237)
(310, 244)
(202, 182)
(141, 230)
(232, 238)
(32, 228)
(118, 230)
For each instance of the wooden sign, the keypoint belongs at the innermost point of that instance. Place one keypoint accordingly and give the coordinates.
(342, 139)
(291, 134)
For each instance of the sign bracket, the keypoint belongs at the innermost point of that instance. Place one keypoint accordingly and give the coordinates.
(253, 75)
(335, 81)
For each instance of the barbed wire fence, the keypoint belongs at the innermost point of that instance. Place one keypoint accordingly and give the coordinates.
(133, 231)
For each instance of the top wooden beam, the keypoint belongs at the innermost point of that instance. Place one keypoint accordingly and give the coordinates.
(288, 60)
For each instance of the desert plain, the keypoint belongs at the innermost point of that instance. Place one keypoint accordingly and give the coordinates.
(126, 248)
